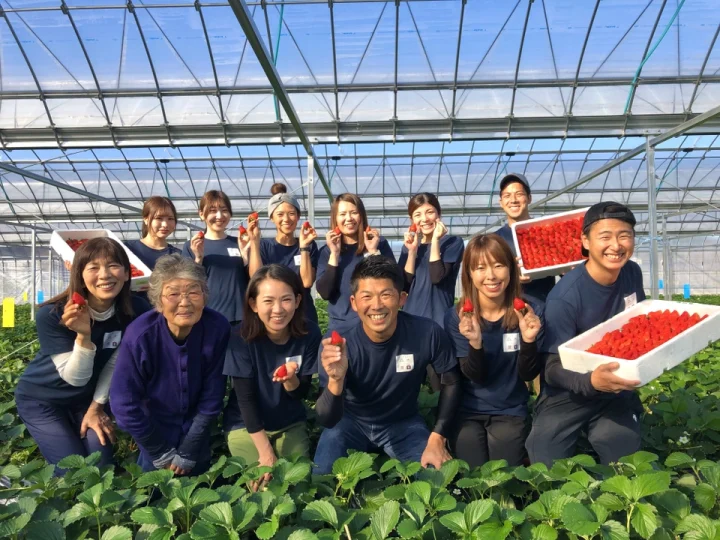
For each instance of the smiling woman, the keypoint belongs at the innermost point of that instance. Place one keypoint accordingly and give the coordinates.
(168, 386)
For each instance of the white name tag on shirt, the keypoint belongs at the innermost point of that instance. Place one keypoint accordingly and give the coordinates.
(297, 359)
(630, 300)
(233, 252)
(298, 258)
(111, 340)
(404, 363)
(511, 342)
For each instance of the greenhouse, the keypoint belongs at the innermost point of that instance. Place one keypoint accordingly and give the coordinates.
(106, 103)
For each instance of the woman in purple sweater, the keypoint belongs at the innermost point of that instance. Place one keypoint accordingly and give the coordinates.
(168, 386)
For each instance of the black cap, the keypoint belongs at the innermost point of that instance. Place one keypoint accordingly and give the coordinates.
(606, 210)
(514, 177)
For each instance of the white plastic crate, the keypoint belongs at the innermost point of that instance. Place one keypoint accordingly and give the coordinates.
(652, 364)
(545, 271)
(58, 241)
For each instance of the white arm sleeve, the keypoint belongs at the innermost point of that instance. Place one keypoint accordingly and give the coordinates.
(75, 367)
(102, 388)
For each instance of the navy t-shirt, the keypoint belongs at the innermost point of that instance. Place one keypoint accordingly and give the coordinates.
(148, 255)
(424, 298)
(537, 288)
(503, 392)
(227, 276)
(41, 380)
(273, 252)
(579, 303)
(341, 315)
(383, 379)
(258, 360)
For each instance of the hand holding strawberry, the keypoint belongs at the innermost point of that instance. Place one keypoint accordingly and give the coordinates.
(285, 373)
(528, 322)
(76, 318)
(372, 240)
(307, 235)
(334, 357)
(469, 327)
(197, 246)
(334, 241)
(411, 239)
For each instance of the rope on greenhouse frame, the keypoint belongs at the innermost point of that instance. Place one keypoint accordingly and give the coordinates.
(649, 54)
(17, 350)
(277, 52)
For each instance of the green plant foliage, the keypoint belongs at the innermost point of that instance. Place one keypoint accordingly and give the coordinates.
(670, 492)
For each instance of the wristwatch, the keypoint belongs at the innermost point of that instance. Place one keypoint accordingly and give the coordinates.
(307, 248)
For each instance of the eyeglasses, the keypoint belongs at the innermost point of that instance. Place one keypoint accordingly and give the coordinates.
(176, 297)
(519, 195)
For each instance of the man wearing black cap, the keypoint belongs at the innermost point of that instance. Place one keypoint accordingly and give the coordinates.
(515, 198)
(600, 403)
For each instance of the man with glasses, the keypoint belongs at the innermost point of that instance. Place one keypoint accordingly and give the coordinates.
(515, 199)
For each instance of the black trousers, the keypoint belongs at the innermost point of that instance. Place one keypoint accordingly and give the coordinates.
(612, 427)
(480, 438)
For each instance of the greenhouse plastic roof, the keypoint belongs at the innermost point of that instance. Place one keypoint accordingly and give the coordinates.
(126, 99)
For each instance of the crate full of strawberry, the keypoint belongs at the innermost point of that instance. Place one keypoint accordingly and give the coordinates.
(549, 245)
(645, 340)
(66, 242)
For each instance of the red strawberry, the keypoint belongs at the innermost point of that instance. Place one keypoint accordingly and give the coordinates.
(281, 372)
(78, 299)
(335, 338)
(253, 217)
(468, 306)
(307, 226)
(518, 304)
(413, 228)
(336, 230)
(201, 235)
(242, 230)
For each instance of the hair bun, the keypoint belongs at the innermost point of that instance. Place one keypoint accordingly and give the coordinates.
(278, 188)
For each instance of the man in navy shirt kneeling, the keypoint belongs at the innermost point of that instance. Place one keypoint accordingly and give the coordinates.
(372, 380)
(601, 404)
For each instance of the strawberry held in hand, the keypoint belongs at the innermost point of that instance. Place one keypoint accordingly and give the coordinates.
(368, 230)
(306, 226)
(467, 308)
(201, 235)
(643, 333)
(336, 231)
(78, 299)
(519, 304)
(335, 338)
(281, 372)
(252, 218)
(242, 231)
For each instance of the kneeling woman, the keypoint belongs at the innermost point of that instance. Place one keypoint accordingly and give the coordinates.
(168, 386)
(497, 349)
(271, 366)
(61, 396)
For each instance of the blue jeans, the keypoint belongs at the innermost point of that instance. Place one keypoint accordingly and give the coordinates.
(405, 440)
(146, 465)
(56, 430)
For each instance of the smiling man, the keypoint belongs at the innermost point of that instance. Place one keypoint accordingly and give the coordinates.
(372, 380)
(600, 403)
(515, 199)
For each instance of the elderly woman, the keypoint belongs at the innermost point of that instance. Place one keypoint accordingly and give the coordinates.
(168, 386)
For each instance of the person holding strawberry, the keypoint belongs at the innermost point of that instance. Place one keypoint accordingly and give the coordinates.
(600, 404)
(371, 376)
(223, 256)
(495, 336)
(61, 396)
(271, 364)
(299, 254)
(347, 243)
(431, 259)
(515, 199)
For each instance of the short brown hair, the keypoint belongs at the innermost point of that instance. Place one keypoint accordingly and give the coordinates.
(252, 327)
(423, 198)
(97, 248)
(212, 198)
(485, 247)
(153, 207)
(357, 201)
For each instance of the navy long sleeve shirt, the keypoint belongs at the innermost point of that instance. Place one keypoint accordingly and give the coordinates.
(161, 388)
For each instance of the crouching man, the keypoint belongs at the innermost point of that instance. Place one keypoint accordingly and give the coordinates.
(371, 380)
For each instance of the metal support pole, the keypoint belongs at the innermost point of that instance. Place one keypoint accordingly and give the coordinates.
(652, 219)
(50, 274)
(33, 288)
(671, 272)
(311, 189)
(666, 257)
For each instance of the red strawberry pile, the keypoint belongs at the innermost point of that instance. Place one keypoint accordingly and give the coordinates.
(548, 245)
(75, 244)
(644, 333)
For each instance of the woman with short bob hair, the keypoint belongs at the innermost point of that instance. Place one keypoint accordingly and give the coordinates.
(168, 386)
(61, 395)
(497, 346)
(431, 260)
(348, 241)
(271, 364)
